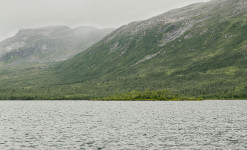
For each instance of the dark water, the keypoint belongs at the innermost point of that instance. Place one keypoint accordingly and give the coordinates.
(68, 125)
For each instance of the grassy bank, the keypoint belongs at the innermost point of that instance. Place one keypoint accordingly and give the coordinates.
(148, 95)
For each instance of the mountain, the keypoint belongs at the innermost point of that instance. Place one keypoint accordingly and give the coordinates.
(49, 44)
(199, 50)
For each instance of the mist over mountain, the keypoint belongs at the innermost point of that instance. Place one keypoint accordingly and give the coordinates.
(49, 44)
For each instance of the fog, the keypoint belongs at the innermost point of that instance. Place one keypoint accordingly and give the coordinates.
(19, 14)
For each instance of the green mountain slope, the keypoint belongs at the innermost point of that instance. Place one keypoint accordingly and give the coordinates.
(199, 50)
(49, 44)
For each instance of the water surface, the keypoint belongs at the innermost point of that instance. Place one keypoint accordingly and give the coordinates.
(66, 125)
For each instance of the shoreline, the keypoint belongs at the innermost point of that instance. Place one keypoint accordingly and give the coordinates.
(133, 100)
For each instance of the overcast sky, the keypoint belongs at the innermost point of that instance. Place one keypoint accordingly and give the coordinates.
(19, 14)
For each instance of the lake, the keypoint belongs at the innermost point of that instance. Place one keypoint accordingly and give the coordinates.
(67, 125)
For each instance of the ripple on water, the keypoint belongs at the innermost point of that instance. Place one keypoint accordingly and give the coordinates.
(123, 125)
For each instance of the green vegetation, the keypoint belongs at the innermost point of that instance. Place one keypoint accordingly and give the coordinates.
(148, 95)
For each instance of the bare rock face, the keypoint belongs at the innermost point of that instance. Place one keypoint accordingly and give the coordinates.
(49, 44)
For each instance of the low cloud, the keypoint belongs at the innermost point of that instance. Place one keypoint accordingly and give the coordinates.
(18, 14)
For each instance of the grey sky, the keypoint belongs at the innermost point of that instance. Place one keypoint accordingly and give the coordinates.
(18, 14)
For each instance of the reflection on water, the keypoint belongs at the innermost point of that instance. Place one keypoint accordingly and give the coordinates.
(123, 125)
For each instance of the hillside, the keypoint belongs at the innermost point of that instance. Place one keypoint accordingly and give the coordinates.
(199, 50)
(48, 44)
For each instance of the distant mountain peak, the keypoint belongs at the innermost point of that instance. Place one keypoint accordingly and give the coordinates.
(48, 44)
(43, 31)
